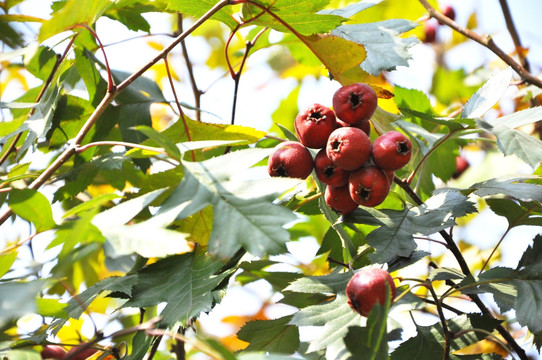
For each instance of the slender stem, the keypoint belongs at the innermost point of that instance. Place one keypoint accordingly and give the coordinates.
(447, 334)
(80, 149)
(110, 82)
(197, 92)
(514, 34)
(426, 156)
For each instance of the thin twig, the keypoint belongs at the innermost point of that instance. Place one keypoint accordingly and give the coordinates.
(486, 41)
(80, 149)
(197, 92)
(447, 334)
(514, 34)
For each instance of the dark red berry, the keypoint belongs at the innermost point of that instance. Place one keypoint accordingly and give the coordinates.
(448, 11)
(81, 352)
(391, 151)
(327, 172)
(290, 159)
(461, 165)
(53, 352)
(314, 125)
(355, 103)
(364, 125)
(369, 186)
(430, 31)
(368, 287)
(339, 200)
(348, 147)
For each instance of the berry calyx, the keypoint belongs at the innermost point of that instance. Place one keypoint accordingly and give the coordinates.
(391, 150)
(348, 147)
(369, 186)
(314, 125)
(290, 159)
(355, 103)
(327, 172)
(53, 352)
(339, 200)
(368, 287)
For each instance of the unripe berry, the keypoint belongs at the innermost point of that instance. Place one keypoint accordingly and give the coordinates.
(339, 200)
(348, 147)
(368, 287)
(364, 125)
(327, 172)
(290, 159)
(391, 150)
(314, 125)
(369, 186)
(355, 103)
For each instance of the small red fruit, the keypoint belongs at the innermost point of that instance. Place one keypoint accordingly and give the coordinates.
(369, 185)
(430, 31)
(355, 103)
(329, 173)
(364, 125)
(339, 200)
(81, 352)
(461, 165)
(391, 150)
(53, 352)
(448, 11)
(348, 147)
(290, 159)
(368, 287)
(314, 125)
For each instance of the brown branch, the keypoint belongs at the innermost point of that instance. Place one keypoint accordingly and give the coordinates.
(514, 34)
(197, 92)
(485, 41)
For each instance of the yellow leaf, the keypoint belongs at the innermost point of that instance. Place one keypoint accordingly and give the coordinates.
(233, 343)
(155, 45)
(71, 331)
(486, 346)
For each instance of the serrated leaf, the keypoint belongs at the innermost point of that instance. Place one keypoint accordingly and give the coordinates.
(256, 270)
(496, 281)
(162, 140)
(445, 274)
(514, 186)
(488, 95)
(197, 8)
(270, 335)
(528, 304)
(97, 201)
(530, 264)
(183, 282)
(385, 49)
(352, 9)
(517, 212)
(32, 206)
(394, 237)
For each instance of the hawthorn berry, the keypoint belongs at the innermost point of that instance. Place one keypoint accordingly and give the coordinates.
(461, 165)
(290, 159)
(53, 352)
(81, 352)
(327, 172)
(367, 287)
(364, 125)
(314, 125)
(348, 147)
(448, 11)
(430, 31)
(369, 185)
(355, 103)
(339, 200)
(391, 150)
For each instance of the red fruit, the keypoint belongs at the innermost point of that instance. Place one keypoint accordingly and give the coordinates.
(390, 174)
(355, 103)
(348, 147)
(53, 352)
(430, 31)
(448, 11)
(368, 287)
(461, 164)
(339, 200)
(391, 151)
(314, 125)
(327, 172)
(365, 125)
(369, 186)
(81, 352)
(290, 159)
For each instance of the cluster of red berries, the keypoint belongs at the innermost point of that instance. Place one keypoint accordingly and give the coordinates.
(356, 171)
(432, 25)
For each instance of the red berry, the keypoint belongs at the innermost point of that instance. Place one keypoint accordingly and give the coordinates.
(339, 200)
(364, 125)
(368, 287)
(81, 352)
(430, 31)
(461, 164)
(448, 11)
(348, 147)
(355, 103)
(290, 159)
(391, 151)
(53, 352)
(369, 186)
(314, 125)
(327, 172)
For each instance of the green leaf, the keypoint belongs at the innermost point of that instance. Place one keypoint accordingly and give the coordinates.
(22, 355)
(92, 203)
(299, 14)
(445, 274)
(18, 298)
(429, 343)
(270, 335)
(496, 281)
(74, 12)
(41, 62)
(183, 282)
(394, 236)
(530, 264)
(32, 206)
(130, 13)
(6, 260)
(513, 186)
(488, 95)
(528, 304)
(162, 140)
(51, 308)
(385, 49)
(517, 212)
(256, 270)
(236, 200)
(197, 8)
(283, 117)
